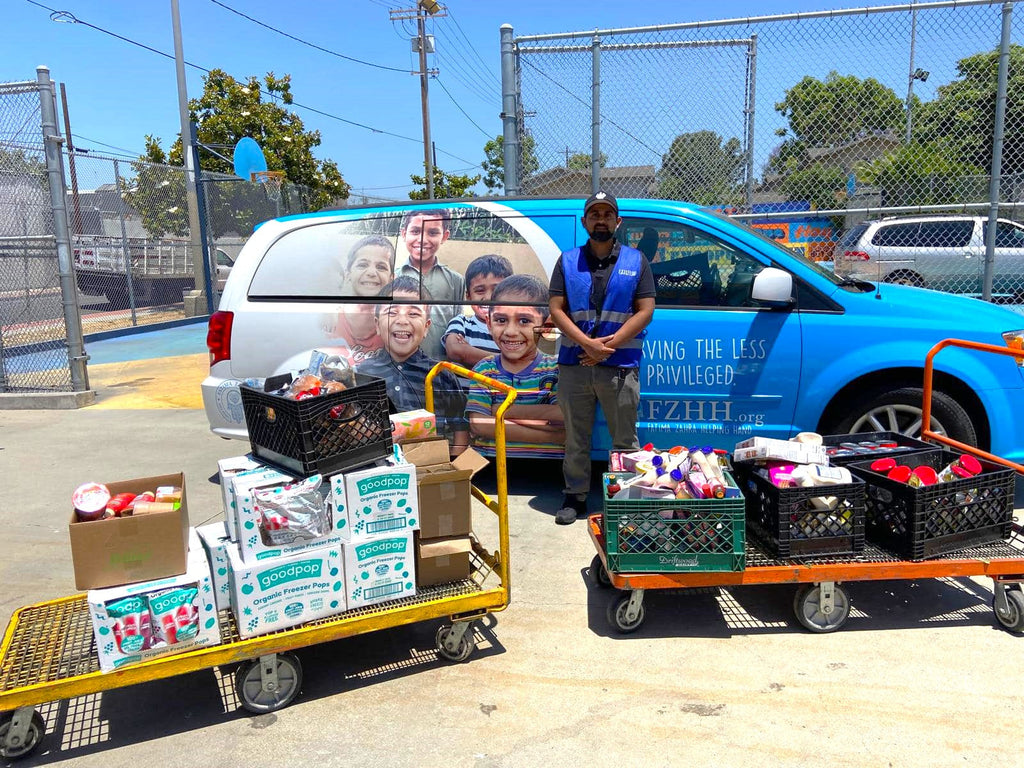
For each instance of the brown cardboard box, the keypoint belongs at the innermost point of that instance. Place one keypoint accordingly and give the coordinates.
(444, 486)
(439, 561)
(123, 550)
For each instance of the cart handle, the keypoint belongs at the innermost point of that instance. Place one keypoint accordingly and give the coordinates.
(926, 406)
(501, 469)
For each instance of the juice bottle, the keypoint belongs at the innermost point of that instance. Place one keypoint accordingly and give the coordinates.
(613, 486)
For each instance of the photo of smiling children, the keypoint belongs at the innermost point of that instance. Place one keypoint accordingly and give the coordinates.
(467, 340)
(402, 364)
(533, 425)
(423, 233)
(369, 266)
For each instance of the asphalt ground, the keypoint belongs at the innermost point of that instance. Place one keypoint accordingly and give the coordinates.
(920, 675)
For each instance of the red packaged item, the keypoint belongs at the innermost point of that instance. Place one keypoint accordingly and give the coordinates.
(926, 475)
(883, 465)
(900, 473)
(90, 501)
(121, 504)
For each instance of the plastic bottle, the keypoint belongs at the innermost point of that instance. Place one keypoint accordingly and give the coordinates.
(613, 486)
(682, 492)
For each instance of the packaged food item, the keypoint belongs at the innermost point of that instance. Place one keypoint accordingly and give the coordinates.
(175, 614)
(90, 501)
(120, 504)
(965, 466)
(168, 494)
(294, 512)
(133, 630)
(140, 508)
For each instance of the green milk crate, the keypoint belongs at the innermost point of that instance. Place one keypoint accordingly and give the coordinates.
(674, 535)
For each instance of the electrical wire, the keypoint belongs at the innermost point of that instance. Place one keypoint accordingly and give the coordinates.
(473, 48)
(70, 17)
(452, 68)
(306, 42)
(134, 156)
(458, 107)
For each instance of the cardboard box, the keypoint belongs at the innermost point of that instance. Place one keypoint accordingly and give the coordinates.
(255, 545)
(123, 550)
(379, 501)
(242, 482)
(286, 591)
(439, 561)
(217, 542)
(445, 499)
(779, 450)
(229, 468)
(379, 569)
(410, 425)
(115, 647)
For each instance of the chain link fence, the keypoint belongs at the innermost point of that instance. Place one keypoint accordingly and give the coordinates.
(808, 125)
(33, 346)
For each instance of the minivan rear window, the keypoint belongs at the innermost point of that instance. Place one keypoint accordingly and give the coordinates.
(853, 235)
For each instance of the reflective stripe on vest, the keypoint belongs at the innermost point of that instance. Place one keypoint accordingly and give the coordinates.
(616, 310)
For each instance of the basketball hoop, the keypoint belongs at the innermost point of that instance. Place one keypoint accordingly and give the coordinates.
(272, 181)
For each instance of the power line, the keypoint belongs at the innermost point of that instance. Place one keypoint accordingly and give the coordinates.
(467, 69)
(474, 122)
(130, 153)
(69, 17)
(458, 74)
(306, 42)
(473, 47)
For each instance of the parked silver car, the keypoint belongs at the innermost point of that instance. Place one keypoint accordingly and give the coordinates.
(946, 253)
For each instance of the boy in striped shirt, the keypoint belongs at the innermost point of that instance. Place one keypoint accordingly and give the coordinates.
(533, 425)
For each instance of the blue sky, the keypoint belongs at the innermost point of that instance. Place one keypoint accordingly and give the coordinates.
(118, 93)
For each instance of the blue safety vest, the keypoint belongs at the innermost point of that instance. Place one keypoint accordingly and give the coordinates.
(617, 308)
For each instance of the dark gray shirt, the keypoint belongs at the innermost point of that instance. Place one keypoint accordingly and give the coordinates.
(600, 269)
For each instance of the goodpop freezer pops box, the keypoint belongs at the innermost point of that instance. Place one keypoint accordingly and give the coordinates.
(286, 591)
(217, 542)
(244, 481)
(379, 501)
(229, 469)
(141, 621)
(379, 569)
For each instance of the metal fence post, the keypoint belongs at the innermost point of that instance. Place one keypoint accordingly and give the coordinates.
(509, 110)
(124, 244)
(58, 201)
(595, 117)
(748, 113)
(997, 152)
(201, 204)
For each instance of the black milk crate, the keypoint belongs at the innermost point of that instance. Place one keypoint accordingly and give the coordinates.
(790, 523)
(905, 445)
(674, 535)
(921, 523)
(325, 434)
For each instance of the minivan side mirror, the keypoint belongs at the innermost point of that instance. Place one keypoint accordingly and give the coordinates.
(773, 287)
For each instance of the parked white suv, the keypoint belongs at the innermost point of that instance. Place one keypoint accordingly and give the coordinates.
(946, 253)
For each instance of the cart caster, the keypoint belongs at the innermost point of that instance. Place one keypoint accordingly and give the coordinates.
(1010, 609)
(626, 612)
(268, 683)
(21, 733)
(822, 607)
(599, 573)
(455, 642)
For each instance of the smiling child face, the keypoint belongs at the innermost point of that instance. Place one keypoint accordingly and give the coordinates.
(481, 288)
(423, 235)
(402, 326)
(371, 270)
(513, 330)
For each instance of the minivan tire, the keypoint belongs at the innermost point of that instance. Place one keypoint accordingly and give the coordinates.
(905, 277)
(952, 419)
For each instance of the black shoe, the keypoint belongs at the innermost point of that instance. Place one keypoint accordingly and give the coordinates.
(571, 508)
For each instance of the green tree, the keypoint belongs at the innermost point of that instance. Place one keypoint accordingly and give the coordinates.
(839, 109)
(823, 186)
(581, 161)
(700, 168)
(158, 192)
(494, 164)
(446, 185)
(924, 174)
(227, 111)
(963, 112)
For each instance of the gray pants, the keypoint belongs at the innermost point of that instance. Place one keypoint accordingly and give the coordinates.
(580, 389)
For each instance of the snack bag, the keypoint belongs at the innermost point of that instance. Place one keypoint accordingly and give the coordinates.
(175, 614)
(295, 512)
(133, 630)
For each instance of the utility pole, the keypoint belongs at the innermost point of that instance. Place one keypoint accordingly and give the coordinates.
(194, 245)
(420, 43)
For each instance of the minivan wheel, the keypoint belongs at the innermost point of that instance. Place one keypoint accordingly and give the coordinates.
(899, 410)
(905, 277)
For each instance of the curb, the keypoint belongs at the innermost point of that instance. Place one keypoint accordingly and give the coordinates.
(46, 401)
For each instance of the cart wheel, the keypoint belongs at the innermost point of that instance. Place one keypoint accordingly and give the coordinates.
(618, 614)
(807, 605)
(466, 645)
(249, 684)
(1013, 618)
(598, 572)
(36, 729)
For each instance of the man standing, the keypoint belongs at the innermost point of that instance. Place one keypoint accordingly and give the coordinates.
(602, 298)
(423, 232)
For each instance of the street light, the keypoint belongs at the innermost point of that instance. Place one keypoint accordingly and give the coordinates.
(915, 73)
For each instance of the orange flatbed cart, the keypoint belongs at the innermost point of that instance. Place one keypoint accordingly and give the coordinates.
(821, 604)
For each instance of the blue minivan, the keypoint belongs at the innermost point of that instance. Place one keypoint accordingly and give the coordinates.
(748, 338)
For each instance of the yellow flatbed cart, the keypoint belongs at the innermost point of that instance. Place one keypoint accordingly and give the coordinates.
(49, 652)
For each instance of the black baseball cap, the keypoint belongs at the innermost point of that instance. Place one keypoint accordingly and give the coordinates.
(598, 198)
